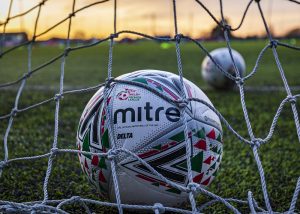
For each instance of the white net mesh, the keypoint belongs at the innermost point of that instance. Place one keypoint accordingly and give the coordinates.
(46, 205)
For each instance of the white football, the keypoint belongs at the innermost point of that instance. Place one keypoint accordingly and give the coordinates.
(153, 129)
(211, 73)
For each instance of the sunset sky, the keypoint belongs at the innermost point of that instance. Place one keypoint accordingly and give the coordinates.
(150, 17)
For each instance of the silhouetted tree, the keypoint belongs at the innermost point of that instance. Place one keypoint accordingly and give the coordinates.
(218, 33)
(294, 33)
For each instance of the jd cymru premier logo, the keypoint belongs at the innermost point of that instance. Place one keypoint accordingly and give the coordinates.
(129, 94)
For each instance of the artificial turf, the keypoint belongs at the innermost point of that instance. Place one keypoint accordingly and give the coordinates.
(32, 131)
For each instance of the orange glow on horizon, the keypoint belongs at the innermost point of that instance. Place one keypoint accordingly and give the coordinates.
(149, 17)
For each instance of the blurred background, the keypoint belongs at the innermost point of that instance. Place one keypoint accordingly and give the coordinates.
(153, 17)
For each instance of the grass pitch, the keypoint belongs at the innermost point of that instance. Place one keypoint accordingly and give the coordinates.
(32, 131)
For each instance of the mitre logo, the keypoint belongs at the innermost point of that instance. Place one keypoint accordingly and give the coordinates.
(129, 94)
(146, 113)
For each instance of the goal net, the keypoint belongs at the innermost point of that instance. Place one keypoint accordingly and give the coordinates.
(49, 205)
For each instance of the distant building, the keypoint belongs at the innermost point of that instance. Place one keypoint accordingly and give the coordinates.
(12, 39)
(53, 42)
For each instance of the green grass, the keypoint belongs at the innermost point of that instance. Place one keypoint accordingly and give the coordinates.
(32, 131)
(89, 66)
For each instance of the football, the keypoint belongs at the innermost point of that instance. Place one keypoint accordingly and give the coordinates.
(211, 73)
(147, 125)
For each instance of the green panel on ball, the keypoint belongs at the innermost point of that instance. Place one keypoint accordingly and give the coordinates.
(86, 144)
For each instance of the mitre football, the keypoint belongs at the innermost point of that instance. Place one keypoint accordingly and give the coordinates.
(151, 127)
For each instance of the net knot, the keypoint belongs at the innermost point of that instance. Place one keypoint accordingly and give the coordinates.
(183, 103)
(273, 43)
(159, 207)
(72, 15)
(58, 97)
(239, 81)
(14, 112)
(42, 3)
(54, 151)
(178, 37)
(33, 38)
(291, 99)
(27, 75)
(7, 20)
(108, 82)
(192, 187)
(114, 35)
(226, 27)
(257, 142)
(111, 154)
(67, 51)
(257, 1)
